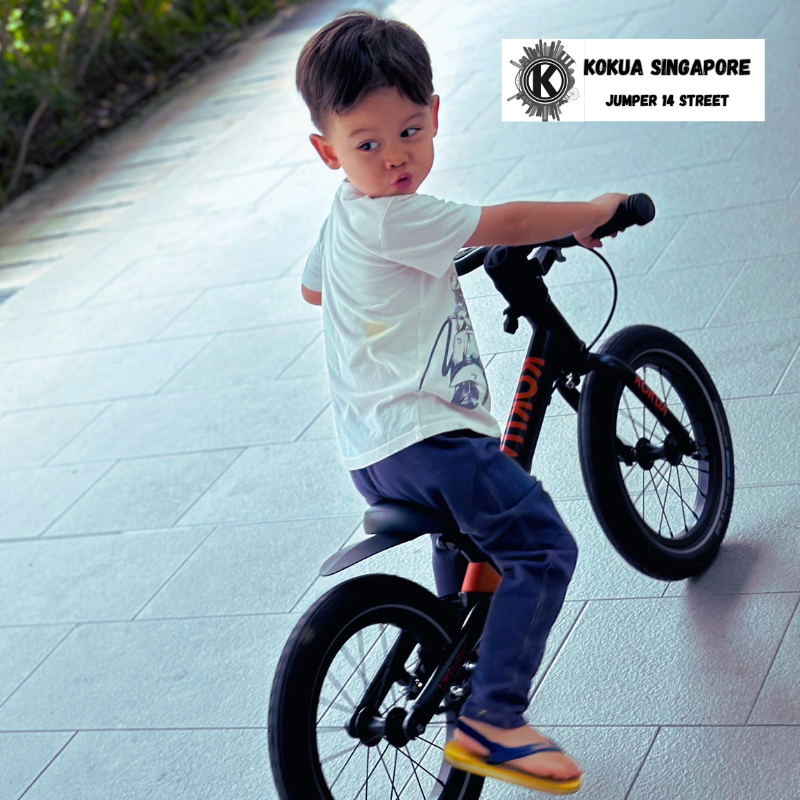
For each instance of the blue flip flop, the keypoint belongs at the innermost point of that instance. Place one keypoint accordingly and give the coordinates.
(490, 765)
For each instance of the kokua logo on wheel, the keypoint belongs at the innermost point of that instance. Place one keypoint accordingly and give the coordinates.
(545, 80)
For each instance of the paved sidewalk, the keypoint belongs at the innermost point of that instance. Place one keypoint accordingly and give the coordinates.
(170, 478)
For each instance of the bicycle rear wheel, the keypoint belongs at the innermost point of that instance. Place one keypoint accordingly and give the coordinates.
(336, 651)
(665, 513)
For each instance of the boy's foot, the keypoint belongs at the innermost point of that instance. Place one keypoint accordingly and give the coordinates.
(554, 765)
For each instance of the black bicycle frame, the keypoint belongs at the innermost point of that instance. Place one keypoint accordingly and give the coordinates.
(556, 357)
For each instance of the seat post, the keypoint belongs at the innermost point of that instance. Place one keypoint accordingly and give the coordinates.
(480, 577)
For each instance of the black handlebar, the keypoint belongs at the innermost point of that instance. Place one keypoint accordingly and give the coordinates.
(638, 209)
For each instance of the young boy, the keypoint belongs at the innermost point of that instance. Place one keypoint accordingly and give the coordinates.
(410, 398)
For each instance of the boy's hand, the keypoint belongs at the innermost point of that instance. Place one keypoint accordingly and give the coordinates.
(310, 296)
(607, 205)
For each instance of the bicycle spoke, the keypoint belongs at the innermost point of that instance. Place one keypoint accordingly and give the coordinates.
(356, 666)
(702, 472)
(664, 517)
(630, 414)
(432, 744)
(685, 524)
(339, 754)
(680, 496)
(388, 775)
(415, 764)
(358, 744)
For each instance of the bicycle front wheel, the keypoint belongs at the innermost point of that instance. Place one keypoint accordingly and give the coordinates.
(664, 512)
(320, 748)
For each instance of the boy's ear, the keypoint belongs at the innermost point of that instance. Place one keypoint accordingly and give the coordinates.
(325, 150)
(435, 112)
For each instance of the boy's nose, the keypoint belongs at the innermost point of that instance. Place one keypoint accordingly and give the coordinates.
(395, 160)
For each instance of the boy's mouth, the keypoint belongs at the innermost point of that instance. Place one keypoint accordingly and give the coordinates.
(403, 182)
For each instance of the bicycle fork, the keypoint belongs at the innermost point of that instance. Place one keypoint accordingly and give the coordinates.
(399, 727)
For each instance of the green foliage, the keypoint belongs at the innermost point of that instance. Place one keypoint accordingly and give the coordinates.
(73, 59)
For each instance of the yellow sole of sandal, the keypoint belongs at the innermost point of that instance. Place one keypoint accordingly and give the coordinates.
(462, 759)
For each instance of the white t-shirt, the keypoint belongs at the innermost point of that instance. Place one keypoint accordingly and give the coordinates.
(403, 362)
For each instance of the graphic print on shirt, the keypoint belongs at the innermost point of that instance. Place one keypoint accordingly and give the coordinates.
(455, 363)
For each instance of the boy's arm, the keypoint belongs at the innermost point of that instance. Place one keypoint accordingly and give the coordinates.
(533, 222)
(312, 273)
(310, 296)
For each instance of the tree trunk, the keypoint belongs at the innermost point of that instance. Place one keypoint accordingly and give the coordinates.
(98, 38)
(23, 149)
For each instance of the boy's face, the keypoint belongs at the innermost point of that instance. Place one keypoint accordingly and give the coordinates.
(384, 143)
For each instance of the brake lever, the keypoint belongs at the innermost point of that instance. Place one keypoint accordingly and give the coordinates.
(546, 257)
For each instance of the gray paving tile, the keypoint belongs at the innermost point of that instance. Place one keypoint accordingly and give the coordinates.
(323, 427)
(89, 329)
(91, 377)
(665, 661)
(22, 650)
(25, 756)
(609, 758)
(676, 301)
(310, 362)
(33, 499)
(306, 479)
(736, 763)
(714, 237)
(192, 270)
(144, 493)
(29, 438)
(468, 184)
(251, 569)
(191, 673)
(778, 702)
(764, 447)
(84, 270)
(160, 765)
(197, 421)
(790, 382)
(492, 145)
(782, 75)
(770, 142)
(733, 19)
(601, 572)
(250, 305)
(714, 186)
(248, 357)
(208, 197)
(778, 289)
(88, 578)
(761, 550)
(782, 25)
(720, 350)
(614, 161)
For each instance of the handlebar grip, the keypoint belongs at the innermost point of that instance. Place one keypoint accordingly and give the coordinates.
(638, 209)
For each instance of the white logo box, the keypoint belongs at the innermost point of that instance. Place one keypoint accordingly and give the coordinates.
(633, 80)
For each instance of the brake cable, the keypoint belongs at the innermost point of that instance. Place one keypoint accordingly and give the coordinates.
(613, 304)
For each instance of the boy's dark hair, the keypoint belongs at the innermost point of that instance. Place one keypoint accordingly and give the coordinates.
(356, 54)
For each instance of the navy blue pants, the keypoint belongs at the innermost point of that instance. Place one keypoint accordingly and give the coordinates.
(510, 517)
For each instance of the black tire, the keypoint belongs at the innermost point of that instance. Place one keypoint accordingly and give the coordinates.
(676, 532)
(313, 756)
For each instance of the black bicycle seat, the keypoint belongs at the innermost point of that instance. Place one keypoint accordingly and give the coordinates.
(407, 520)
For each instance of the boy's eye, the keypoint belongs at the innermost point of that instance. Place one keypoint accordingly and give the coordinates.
(410, 132)
(368, 146)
